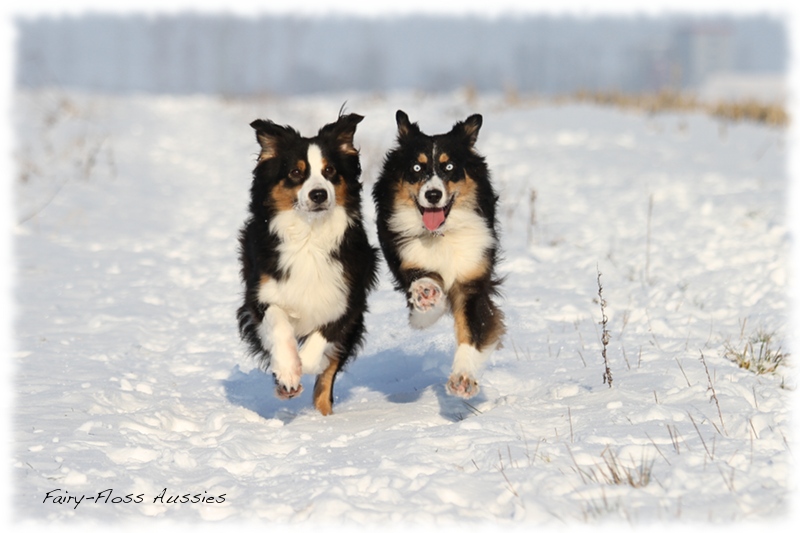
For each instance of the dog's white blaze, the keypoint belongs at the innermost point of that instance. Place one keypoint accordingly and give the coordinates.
(454, 256)
(435, 183)
(277, 336)
(314, 293)
(468, 360)
(315, 181)
(312, 352)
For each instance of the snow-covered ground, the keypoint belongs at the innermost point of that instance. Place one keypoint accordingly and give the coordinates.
(130, 378)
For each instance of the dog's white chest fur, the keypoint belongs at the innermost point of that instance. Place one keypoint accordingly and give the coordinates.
(314, 293)
(456, 255)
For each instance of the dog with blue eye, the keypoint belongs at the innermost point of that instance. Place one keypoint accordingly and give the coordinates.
(435, 210)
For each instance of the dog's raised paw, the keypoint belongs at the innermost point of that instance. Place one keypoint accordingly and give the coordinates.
(425, 294)
(462, 386)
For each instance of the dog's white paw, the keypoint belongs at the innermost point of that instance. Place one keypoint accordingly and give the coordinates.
(287, 370)
(462, 386)
(424, 294)
(286, 388)
(284, 393)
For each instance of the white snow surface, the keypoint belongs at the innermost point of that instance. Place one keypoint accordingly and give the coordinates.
(129, 376)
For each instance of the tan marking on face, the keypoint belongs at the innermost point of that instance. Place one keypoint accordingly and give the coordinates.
(301, 166)
(283, 197)
(444, 158)
(341, 191)
(407, 193)
(422, 158)
(466, 191)
(323, 387)
(324, 163)
(264, 280)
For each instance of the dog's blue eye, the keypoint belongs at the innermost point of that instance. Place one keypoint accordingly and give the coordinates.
(449, 167)
(417, 168)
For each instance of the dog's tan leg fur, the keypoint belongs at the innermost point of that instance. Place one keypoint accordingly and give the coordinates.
(323, 387)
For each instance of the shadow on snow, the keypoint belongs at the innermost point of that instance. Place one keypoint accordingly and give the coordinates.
(400, 377)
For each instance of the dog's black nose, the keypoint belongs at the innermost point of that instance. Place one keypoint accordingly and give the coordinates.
(318, 196)
(433, 196)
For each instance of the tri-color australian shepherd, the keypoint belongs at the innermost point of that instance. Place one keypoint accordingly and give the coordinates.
(436, 227)
(307, 264)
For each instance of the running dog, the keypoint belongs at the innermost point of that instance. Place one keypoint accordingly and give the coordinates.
(307, 264)
(436, 226)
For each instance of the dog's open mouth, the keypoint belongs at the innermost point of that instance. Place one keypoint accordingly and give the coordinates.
(434, 217)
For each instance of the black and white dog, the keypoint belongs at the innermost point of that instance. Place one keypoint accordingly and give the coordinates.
(307, 264)
(436, 226)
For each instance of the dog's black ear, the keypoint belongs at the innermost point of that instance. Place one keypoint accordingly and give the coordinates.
(469, 128)
(269, 135)
(344, 129)
(404, 126)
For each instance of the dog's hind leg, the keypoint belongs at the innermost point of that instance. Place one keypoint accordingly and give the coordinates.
(312, 353)
(323, 387)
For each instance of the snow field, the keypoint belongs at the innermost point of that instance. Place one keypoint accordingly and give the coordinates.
(129, 374)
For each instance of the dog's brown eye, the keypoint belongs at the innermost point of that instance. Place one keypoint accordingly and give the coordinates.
(329, 171)
(295, 174)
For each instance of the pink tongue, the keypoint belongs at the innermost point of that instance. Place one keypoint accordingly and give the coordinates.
(433, 218)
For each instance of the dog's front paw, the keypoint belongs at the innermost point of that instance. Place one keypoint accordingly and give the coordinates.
(424, 294)
(462, 386)
(284, 393)
(287, 380)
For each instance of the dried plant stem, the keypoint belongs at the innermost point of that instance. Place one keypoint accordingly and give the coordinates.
(682, 372)
(658, 449)
(607, 378)
(571, 435)
(508, 481)
(713, 392)
(697, 429)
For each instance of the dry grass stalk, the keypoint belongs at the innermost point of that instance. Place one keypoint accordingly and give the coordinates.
(757, 354)
(611, 472)
(713, 392)
(771, 114)
(607, 378)
(636, 477)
